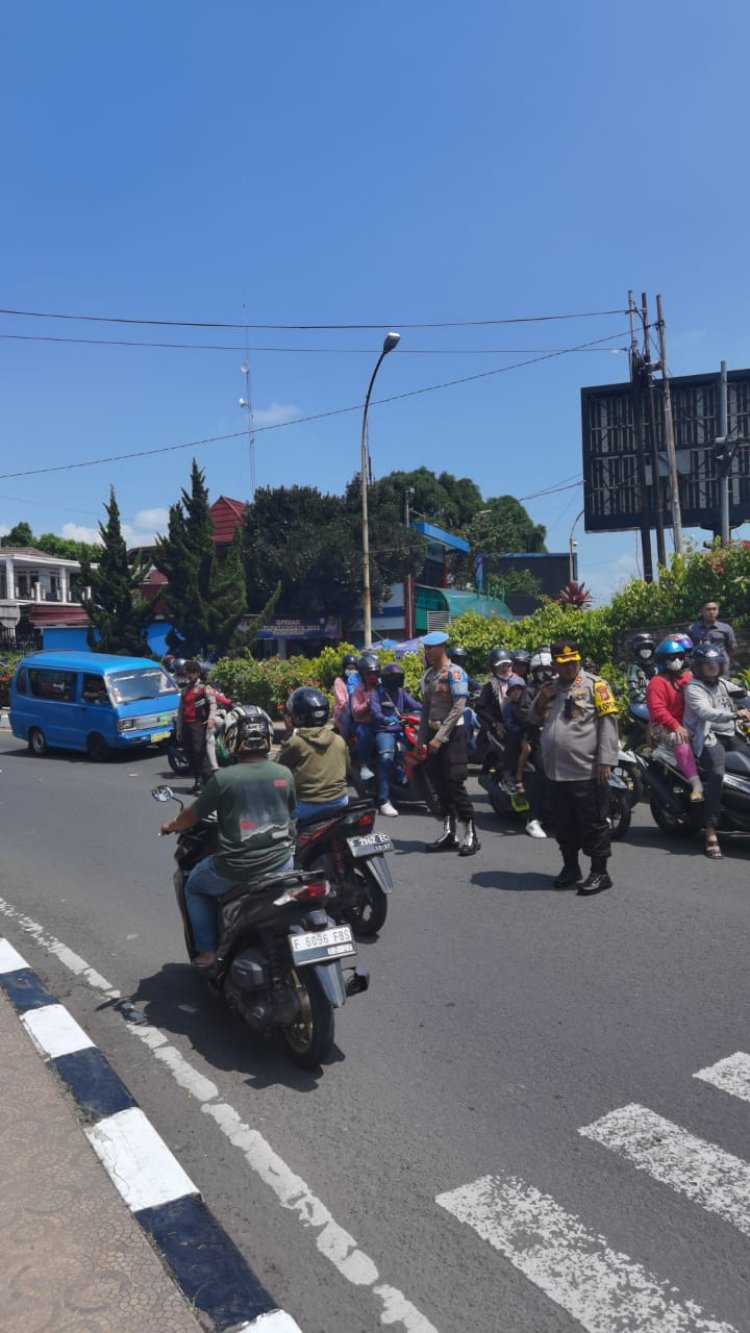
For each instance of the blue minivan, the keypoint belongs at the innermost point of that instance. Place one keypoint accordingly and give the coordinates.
(92, 702)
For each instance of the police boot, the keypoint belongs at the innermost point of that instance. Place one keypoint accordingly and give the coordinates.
(598, 879)
(569, 876)
(447, 840)
(470, 843)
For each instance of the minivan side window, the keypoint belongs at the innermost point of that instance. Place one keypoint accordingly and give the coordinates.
(21, 681)
(94, 690)
(57, 686)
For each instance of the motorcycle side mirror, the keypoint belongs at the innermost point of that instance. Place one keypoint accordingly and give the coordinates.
(162, 794)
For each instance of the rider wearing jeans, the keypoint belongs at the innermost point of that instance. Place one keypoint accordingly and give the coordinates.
(711, 721)
(315, 754)
(388, 704)
(254, 802)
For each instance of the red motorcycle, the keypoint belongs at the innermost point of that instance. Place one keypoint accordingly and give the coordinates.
(410, 782)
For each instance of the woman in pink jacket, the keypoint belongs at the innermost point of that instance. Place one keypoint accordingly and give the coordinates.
(665, 700)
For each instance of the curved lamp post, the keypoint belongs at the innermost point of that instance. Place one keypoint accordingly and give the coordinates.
(391, 340)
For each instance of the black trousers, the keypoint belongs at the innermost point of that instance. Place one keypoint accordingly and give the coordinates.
(580, 812)
(194, 745)
(448, 771)
(713, 766)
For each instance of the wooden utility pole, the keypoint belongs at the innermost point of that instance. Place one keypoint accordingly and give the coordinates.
(636, 387)
(669, 430)
(648, 379)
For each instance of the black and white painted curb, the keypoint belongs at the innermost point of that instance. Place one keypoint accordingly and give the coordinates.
(203, 1260)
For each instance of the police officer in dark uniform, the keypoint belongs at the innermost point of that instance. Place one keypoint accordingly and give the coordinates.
(579, 746)
(445, 689)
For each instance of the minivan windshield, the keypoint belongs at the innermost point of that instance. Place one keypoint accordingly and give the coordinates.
(126, 687)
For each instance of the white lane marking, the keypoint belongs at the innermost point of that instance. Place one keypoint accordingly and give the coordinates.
(138, 1160)
(674, 1157)
(10, 960)
(183, 1073)
(54, 1030)
(78, 966)
(276, 1321)
(332, 1241)
(730, 1075)
(335, 1243)
(602, 1288)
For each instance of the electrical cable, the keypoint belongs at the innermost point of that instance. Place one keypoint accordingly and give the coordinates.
(402, 324)
(316, 351)
(298, 421)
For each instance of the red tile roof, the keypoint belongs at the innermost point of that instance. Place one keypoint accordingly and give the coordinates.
(227, 515)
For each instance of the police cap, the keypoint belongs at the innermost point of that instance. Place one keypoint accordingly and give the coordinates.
(434, 639)
(565, 650)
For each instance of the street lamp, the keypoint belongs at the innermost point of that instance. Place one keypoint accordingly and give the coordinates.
(391, 340)
(572, 547)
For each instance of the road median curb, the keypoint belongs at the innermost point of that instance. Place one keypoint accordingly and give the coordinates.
(204, 1262)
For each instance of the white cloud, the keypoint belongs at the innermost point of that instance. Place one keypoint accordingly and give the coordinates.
(275, 414)
(75, 532)
(152, 520)
(605, 579)
(141, 532)
(3, 530)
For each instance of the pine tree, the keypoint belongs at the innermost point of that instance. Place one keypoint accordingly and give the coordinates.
(228, 599)
(115, 608)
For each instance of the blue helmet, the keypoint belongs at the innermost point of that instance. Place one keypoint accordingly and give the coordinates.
(671, 649)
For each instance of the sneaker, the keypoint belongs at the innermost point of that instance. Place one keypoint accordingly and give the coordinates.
(388, 809)
(534, 829)
(366, 773)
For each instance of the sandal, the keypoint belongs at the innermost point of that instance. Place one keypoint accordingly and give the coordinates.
(696, 795)
(713, 850)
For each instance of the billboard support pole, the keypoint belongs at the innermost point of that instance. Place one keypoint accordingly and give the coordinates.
(725, 460)
(661, 550)
(669, 431)
(636, 385)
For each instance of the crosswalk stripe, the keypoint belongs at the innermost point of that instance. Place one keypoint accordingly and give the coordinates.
(689, 1165)
(602, 1288)
(730, 1075)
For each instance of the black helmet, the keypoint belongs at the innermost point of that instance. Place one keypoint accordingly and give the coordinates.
(368, 663)
(520, 655)
(458, 655)
(706, 654)
(498, 655)
(308, 707)
(393, 674)
(249, 730)
(643, 646)
(349, 660)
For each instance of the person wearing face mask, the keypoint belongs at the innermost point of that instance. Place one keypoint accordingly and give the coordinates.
(642, 666)
(489, 708)
(711, 722)
(665, 700)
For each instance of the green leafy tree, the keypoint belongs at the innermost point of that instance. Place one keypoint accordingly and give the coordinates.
(449, 502)
(117, 614)
(20, 535)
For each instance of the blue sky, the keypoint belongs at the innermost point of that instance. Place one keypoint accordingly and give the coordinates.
(346, 164)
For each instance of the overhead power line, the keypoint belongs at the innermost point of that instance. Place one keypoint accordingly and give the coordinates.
(314, 416)
(315, 351)
(299, 328)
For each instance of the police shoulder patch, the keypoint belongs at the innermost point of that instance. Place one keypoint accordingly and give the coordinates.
(604, 700)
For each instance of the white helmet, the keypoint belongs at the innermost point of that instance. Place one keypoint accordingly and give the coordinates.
(248, 730)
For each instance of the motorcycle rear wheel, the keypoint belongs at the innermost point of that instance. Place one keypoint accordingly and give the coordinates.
(367, 914)
(177, 760)
(309, 1039)
(676, 825)
(620, 812)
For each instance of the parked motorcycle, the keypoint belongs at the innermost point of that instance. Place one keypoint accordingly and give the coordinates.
(176, 757)
(343, 846)
(280, 953)
(669, 793)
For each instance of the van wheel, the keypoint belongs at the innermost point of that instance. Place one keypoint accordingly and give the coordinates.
(37, 743)
(97, 748)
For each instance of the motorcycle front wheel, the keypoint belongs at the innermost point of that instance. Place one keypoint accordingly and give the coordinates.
(309, 1039)
(177, 760)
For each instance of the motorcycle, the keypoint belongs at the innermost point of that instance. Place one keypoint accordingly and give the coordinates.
(510, 804)
(341, 845)
(280, 953)
(176, 757)
(410, 781)
(669, 793)
(628, 770)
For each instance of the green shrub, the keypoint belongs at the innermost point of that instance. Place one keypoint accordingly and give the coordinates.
(269, 682)
(7, 667)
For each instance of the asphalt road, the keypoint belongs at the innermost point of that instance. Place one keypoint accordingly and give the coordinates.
(434, 1175)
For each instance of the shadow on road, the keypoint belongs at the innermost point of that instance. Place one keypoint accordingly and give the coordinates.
(508, 881)
(221, 1037)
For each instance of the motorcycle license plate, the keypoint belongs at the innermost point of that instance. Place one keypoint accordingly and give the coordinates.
(320, 945)
(371, 843)
(160, 736)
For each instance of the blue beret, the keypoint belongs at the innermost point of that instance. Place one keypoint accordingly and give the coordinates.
(432, 640)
